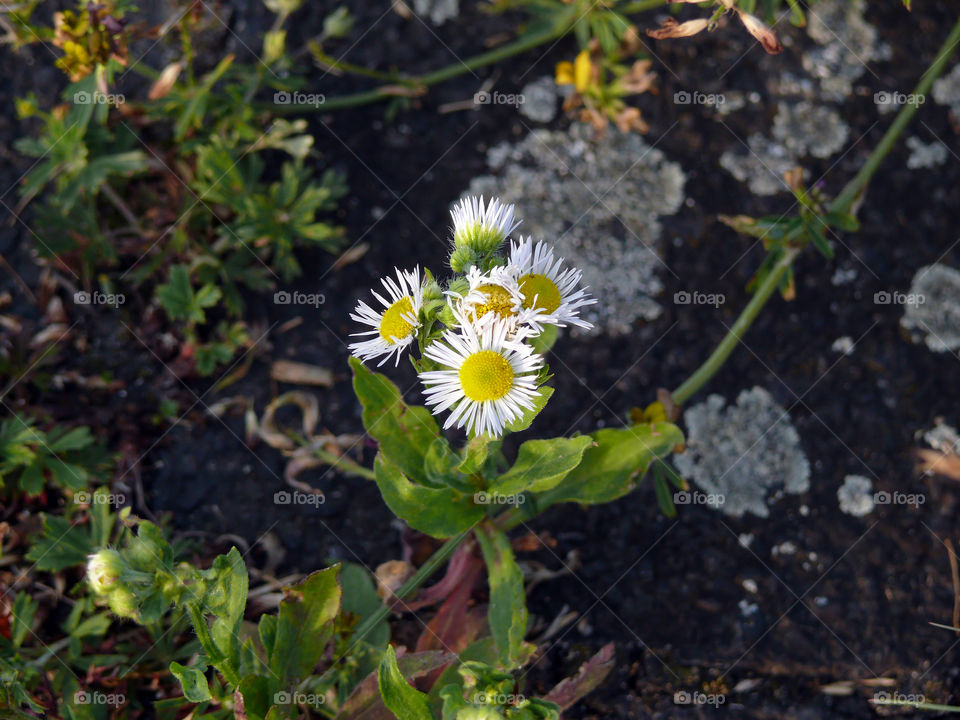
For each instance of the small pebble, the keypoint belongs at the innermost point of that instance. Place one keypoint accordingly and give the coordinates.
(843, 345)
(856, 495)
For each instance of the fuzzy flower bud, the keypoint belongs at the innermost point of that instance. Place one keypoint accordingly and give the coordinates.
(123, 602)
(481, 227)
(104, 569)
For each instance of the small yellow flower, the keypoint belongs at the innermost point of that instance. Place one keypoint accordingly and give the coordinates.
(582, 69)
(576, 73)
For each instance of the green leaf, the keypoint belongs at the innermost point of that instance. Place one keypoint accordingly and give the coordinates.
(360, 598)
(21, 618)
(664, 497)
(526, 420)
(62, 545)
(403, 700)
(179, 299)
(226, 598)
(475, 454)
(439, 464)
(257, 694)
(439, 512)
(193, 682)
(542, 464)
(508, 609)
(404, 433)
(818, 239)
(74, 439)
(304, 625)
(608, 470)
(842, 221)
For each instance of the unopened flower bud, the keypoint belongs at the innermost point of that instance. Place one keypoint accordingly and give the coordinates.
(463, 258)
(123, 602)
(104, 569)
(481, 227)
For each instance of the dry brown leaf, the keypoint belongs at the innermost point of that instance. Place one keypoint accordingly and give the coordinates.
(297, 373)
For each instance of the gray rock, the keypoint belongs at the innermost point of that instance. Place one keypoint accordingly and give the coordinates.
(934, 313)
(540, 100)
(744, 451)
(439, 11)
(847, 43)
(599, 202)
(761, 165)
(808, 129)
(946, 90)
(923, 155)
(856, 495)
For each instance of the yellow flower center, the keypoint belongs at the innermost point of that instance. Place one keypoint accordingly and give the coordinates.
(394, 323)
(499, 301)
(486, 375)
(543, 289)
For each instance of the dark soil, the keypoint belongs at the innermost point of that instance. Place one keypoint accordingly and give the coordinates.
(852, 603)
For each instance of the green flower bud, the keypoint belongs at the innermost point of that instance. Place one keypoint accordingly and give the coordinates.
(123, 602)
(431, 290)
(463, 258)
(143, 552)
(104, 569)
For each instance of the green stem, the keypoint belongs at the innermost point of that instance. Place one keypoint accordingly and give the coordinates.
(345, 464)
(842, 203)
(730, 341)
(433, 563)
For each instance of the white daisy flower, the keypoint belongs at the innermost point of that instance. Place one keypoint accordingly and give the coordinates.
(490, 379)
(496, 295)
(546, 286)
(482, 226)
(396, 326)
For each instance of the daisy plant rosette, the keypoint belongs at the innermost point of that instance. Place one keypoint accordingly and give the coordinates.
(477, 338)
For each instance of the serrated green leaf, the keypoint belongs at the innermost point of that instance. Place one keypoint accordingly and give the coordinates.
(542, 464)
(508, 608)
(402, 699)
(62, 545)
(439, 512)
